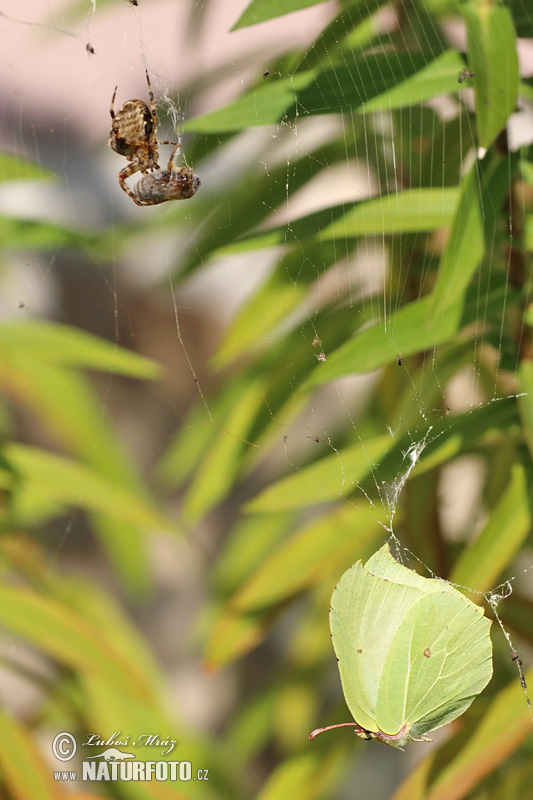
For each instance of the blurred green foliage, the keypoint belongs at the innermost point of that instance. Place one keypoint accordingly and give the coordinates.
(454, 295)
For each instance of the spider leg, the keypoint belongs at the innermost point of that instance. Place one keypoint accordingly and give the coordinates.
(153, 108)
(125, 173)
(153, 155)
(171, 159)
(112, 107)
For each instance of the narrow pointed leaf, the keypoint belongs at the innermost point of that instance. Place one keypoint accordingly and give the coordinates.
(484, 561)
(493, 59)
(261, 10)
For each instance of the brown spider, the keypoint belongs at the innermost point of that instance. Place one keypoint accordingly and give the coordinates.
(133, 134)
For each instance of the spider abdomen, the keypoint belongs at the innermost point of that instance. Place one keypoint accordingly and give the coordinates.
(132, 127)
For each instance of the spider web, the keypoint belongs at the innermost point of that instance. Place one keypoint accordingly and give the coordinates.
(177, 297)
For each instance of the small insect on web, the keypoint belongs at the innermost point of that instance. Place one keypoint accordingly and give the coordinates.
(463, 75)
(133, 134)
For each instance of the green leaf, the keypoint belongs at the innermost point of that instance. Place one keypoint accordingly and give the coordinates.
(233, 635)
(257, 317)
(221, 464)
(312, 554)
(77, 424)
(504, 726)
(27, 234)
(15, 168)
(493, 59)
(196, 435)
(514, 785)
(261, 10)
(96, 609)
(285, 289)
(412, 329)
(473, 227)
(303, 777)
(525, 400)
(481, 563)
(385, 78)
(522, 18)
(332, 477)
(25, 774)
(64, 345)
(44, 478)
(439, 77)
(251, 542)
(354, 85)
(245, 208)
(69, 638)
(264, 105)
(404, 212)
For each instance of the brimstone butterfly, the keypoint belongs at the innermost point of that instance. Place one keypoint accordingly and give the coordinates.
(413, 652)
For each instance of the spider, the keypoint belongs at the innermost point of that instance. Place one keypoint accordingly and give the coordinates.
(133, 134)
(162, 185)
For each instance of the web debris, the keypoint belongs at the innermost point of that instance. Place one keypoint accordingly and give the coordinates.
(66, 31)
(412, 456)
(494, 598)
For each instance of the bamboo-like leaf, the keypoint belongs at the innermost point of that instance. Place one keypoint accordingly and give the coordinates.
(483, 562)
(439, 77)
(412, 329)
(27, 234)
(67, 346)
(377, 78)
(525, 400)
(69, 638)
(44, 477)
(493, 59)
(370, 78)
(261, 10)
(77, 423)
(196, 435)
(96, 609)
(15, 168)
(264, 105)
(332, 477)
(219, 468)
(312, 554)
(108, 709)
(25, 774)
(234, 634)
(523, 21)
(514, 785)
(473, 229)
(252, 540)
(505, 725)
(306, 776)
(350, 470)
(403, 212)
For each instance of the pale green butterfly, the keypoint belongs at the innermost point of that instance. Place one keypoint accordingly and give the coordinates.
(413, 652)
